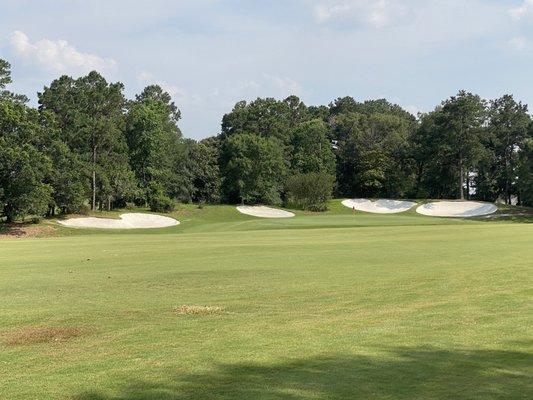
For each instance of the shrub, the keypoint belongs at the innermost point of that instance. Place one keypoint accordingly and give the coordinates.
(161, 203)
(309, 191)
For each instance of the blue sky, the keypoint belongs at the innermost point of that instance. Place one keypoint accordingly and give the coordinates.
(210, 54)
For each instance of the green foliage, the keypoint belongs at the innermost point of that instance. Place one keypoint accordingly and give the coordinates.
(312, 150)
(22, 172)
(91, 119)
(161, 203)
(310, 191)
(158, 201)
(86, 144)
(525, 173)
(268, 118)
(158, 154)
(372, 154)
(5, 74)
(206, 171)
(23, 166)
(507, 130)
(253, 169)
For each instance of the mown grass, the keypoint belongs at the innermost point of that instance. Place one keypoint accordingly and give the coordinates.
(322, 306)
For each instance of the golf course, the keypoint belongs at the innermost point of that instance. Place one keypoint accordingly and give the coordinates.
(332, 305)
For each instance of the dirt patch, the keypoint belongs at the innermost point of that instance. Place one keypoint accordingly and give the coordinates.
(44, 334)
(199, 310)
(19, 230)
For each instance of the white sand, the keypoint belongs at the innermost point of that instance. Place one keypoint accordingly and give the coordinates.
(380, 206)
(264, 212)
(126, 221)
(456, 209)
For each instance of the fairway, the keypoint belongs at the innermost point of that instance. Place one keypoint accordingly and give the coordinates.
(330, 306)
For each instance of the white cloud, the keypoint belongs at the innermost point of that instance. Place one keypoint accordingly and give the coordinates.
(523, 10)
(57, 55)
(519, 43)
(375, 13)
(285, 85)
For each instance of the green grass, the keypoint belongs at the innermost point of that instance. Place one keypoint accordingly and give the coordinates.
(321, 306)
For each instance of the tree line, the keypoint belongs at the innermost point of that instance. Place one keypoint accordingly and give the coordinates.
(88, 147)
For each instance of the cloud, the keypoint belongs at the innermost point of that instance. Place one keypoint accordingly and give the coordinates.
(285, 85)
(57, 55)
(519, 43)
(374, 13)
(523, 10)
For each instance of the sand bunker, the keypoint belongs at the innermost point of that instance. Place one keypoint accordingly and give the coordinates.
(381, 206)
(126, 221)
(456, 209)
(264, 212)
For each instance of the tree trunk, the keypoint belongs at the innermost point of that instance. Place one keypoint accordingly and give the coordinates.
(461, 178)
(94, 180)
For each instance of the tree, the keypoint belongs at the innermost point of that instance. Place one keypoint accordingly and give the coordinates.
(309, 191)
(508, 125)
(460, 122)
(23, 168)
(525, 173)
(91, 119)
(265, 117)
(5, 74)
(206, 171)
(372, 153)
(312, 150)
(253, 169)
(434, 168)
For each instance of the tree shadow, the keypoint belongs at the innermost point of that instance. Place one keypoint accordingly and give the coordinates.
(401, 373)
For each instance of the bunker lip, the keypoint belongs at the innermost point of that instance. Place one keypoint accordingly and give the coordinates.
(457, 209)
(126, 221)
(264, 212)
(379, 206)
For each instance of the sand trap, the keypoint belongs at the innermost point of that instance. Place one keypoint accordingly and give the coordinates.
(264, 212)
(381, 206)
(456, 209)
(126, 221)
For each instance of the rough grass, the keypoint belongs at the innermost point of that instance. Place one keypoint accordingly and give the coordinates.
(326, 306)
(199, 310)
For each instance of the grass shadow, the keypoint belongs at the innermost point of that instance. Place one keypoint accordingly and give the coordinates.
(401, 373)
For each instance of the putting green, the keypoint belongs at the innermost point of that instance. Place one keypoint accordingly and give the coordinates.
(323, 306)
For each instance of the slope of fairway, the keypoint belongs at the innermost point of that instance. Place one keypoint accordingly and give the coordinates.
(389, 307)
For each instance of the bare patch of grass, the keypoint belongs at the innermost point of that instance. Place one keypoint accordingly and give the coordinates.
(199, 310)
(24, 230)
(44, 334)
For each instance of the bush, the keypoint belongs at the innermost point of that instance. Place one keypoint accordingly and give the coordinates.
(161, 203)
(83, 209)
(310, 191)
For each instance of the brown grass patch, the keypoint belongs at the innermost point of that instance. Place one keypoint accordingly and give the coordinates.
(44, 334)
(22, 230)
(199, 310)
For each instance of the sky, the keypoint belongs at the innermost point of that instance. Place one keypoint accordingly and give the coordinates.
(209, 54)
